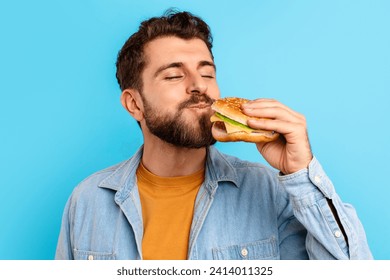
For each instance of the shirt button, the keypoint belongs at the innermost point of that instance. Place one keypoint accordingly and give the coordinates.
(337, 234)
(317, 179)
(244, 252)
(90, 258)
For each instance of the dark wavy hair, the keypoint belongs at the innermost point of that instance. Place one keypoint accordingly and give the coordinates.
(131, 60)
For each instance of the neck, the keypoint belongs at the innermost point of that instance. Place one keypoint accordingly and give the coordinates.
(164, 159)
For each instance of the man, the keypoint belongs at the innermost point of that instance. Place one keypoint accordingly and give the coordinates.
(178, 197)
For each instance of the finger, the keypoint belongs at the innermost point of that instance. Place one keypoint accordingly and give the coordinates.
(267, 103)
(279, 143)
(274, 113)
(262, 102)
(288, 129)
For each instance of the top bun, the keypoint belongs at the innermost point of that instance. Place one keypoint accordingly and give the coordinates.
(231, 108)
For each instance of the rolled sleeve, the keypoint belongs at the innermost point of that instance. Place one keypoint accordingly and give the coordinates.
(308, 181)
(309, 190)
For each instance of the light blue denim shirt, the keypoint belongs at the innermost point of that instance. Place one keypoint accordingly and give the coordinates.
(243, 210)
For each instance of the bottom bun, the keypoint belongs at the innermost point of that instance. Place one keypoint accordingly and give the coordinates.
(220, 134)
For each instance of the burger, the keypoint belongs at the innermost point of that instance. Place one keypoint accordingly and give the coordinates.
(230, 124)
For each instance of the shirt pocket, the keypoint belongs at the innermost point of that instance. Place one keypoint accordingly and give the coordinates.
(257, 250)
(91, 255)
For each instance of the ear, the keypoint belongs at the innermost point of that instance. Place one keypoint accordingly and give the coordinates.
(131, 100)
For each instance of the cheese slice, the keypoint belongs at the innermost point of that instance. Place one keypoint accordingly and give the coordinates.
(231, 128)
(215, 118)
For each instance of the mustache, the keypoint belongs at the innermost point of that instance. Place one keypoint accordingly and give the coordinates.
(195, 99)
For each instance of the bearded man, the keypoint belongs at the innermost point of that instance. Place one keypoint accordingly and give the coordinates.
(178, 197)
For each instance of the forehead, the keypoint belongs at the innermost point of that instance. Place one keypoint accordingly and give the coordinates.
(173, 49)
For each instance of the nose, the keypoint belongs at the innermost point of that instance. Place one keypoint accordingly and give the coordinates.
(196, 84)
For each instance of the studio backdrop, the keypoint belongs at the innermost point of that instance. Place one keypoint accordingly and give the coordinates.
(61, 118)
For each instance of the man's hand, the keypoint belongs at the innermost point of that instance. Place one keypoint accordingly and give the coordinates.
(291, 152)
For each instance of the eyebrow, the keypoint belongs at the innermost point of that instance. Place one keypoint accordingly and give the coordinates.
(167, 66)
(180, 65)
(207, 63)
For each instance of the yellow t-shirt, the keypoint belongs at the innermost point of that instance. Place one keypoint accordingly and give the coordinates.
(167, 210)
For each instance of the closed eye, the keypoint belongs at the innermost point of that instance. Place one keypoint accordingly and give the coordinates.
(173, 77)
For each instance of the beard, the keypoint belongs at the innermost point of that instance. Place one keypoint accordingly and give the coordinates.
(176, 130)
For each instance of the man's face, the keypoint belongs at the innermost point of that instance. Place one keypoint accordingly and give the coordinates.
(179, 85)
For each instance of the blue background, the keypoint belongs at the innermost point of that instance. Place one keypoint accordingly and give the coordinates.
(61, 118)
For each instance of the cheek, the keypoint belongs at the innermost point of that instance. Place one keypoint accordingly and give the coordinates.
(214, 92)
(168, 93)
(164, 105)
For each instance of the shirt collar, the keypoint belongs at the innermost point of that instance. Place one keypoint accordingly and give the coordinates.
(123, 179)
(219, 168)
